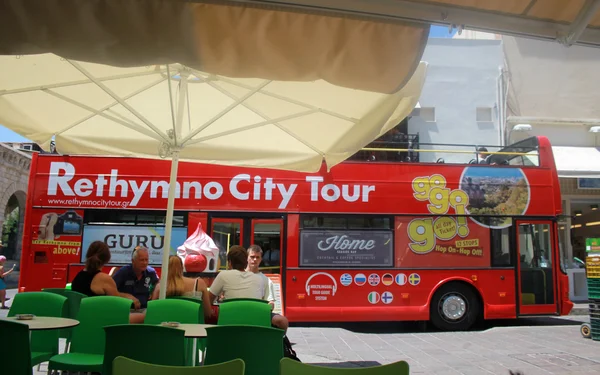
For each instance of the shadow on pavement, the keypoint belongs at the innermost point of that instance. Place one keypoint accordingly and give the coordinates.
(419, 327)
(348, 364)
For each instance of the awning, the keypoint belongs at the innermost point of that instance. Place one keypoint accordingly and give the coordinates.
(236, 39)
(582, 162)
(566, 21)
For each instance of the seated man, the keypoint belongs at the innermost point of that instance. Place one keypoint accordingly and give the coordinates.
(135, 280)
(236, 282)
(254, 258)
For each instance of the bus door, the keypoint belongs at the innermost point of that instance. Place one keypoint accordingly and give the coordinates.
(245, 231)
(267, 233)
(536, 269)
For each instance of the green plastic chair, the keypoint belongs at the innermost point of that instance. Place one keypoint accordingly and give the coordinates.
(194, 300)
(86, 353)
(15, 355)
(245, 312)
(291, 367)
(162, 345)
(248, 339)
(44, 344)
(126, 366)
(177, 310)
(71, 311)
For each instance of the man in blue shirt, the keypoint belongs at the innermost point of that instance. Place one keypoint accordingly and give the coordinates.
(136, 280)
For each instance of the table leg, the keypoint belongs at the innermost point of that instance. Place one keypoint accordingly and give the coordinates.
(195, 350)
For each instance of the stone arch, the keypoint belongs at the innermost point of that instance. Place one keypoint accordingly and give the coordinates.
(14, 196)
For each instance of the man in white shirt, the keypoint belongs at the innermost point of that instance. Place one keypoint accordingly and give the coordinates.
(254, 259)
(236, 282)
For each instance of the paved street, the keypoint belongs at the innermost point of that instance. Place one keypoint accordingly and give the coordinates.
(532, 346)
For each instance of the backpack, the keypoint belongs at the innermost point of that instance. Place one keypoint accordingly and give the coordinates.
(288, 352)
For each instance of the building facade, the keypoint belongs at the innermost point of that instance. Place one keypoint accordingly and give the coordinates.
(460, 102)
(490, 90)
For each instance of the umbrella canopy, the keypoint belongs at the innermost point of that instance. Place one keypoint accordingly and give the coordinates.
(99, 109)
(179, 112)
(213, 81)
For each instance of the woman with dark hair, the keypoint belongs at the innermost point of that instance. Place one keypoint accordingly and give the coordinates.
(91, 281)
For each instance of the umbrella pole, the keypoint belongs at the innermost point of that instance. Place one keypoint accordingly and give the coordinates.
(168, 226)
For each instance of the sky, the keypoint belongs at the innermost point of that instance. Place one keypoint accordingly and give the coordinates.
(7, 135)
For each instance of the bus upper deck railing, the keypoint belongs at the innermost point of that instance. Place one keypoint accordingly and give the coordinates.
(525, 153)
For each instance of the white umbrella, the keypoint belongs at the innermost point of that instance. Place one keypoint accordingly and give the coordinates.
(328, 85)
(98, 109)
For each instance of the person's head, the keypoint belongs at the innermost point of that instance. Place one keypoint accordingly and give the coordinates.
(237, 258)
(255, 254)
(175, 283)
(98, 254)
(482, 153)
(139, 259)
(2, 260)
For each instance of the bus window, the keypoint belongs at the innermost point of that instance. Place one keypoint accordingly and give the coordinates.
(226, 233)
(500, 244)
(267, 235)
(349, 222)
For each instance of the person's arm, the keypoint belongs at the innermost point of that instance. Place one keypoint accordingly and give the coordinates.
(270, 294)
(155, 292)
(8, 272)
(155, 282)
(206, 300)
(216, 287)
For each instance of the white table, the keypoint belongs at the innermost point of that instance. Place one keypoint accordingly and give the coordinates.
(194, 331)
(40, 323)
(197, 331)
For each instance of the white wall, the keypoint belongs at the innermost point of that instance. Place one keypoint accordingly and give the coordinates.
(462, 75)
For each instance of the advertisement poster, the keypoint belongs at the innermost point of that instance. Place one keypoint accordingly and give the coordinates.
(346, 248)
(276, 280)
(123, 239)
(436, 242)
(460, 241)
(57, 233)
(494, 191)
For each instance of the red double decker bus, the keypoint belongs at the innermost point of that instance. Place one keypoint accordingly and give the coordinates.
(386, 241)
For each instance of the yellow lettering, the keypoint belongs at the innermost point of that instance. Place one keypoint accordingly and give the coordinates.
(438, 197)
(444, 228)
(420, 232)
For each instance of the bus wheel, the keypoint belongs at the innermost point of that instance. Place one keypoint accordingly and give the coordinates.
(586, 330)
(454, 307)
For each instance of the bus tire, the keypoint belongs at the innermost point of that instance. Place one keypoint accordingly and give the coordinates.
(454, 307)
